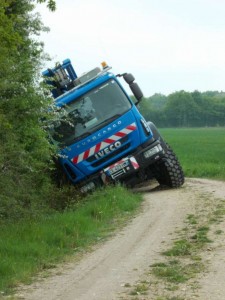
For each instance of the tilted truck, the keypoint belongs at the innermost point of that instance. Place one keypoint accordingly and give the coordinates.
(101, 134)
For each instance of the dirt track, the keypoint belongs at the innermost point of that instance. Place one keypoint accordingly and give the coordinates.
(122, 260)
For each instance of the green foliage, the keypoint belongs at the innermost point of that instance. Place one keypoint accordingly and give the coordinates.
(184, 109)
(51, 4)
(200, 237)
(175, 272)
(24, 151)
(34, 245)
(180, 248)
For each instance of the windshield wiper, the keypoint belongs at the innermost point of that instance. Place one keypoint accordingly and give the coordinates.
(105, 122)
(85, 134)
(69, 141)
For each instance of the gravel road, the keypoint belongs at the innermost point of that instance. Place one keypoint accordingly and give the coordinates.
(104, 273)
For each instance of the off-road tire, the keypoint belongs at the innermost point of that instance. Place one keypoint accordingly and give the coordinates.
(168, 170)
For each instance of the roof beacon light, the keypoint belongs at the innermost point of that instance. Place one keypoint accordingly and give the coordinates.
(104, 65)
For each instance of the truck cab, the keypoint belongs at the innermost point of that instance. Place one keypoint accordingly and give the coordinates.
(100, 133)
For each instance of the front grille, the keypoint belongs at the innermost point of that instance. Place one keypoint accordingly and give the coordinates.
(109, 156)
(92, 158)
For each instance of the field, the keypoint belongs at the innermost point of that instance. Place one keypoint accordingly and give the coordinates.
(201, 151)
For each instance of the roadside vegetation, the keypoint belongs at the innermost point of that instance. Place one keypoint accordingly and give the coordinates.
(35, 245)
(26, 187)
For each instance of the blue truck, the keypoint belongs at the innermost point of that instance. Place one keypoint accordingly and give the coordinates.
(101, 135)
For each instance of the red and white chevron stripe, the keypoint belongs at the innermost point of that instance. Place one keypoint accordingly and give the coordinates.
(112, 139)
(134, 162)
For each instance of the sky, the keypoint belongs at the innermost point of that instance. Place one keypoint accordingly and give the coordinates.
(168, 45)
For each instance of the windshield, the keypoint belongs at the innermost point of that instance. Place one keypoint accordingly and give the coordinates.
(89, 113)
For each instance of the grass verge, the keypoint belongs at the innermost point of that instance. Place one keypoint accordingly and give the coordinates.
(30, 246)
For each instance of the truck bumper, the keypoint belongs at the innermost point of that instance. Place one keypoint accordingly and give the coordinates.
(128, 166)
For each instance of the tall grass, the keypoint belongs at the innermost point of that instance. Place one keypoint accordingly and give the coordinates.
(201, 151)
(31, 246)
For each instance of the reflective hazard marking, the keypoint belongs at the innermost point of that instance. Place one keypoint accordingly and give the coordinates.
(134, 163)
(112, 139)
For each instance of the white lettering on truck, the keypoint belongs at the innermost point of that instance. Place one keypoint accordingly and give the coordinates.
(108, 149)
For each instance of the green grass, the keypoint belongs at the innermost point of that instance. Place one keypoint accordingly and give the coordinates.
(180, 248)
(140, 289)
(200, 237)
(191, 219)
(173, 271)
(200, 150)
(32, 246)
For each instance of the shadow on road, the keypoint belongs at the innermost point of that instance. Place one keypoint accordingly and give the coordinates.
(149, 187)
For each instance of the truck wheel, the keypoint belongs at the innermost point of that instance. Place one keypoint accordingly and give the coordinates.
(168, 171)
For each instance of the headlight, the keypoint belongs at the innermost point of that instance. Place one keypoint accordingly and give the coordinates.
(152, 151)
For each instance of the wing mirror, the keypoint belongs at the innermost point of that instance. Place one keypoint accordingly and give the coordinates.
(129, 78)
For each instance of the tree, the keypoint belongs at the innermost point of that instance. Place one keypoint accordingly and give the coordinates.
(24, 152)
(51, 4)
(152, 109)
(181, 109)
